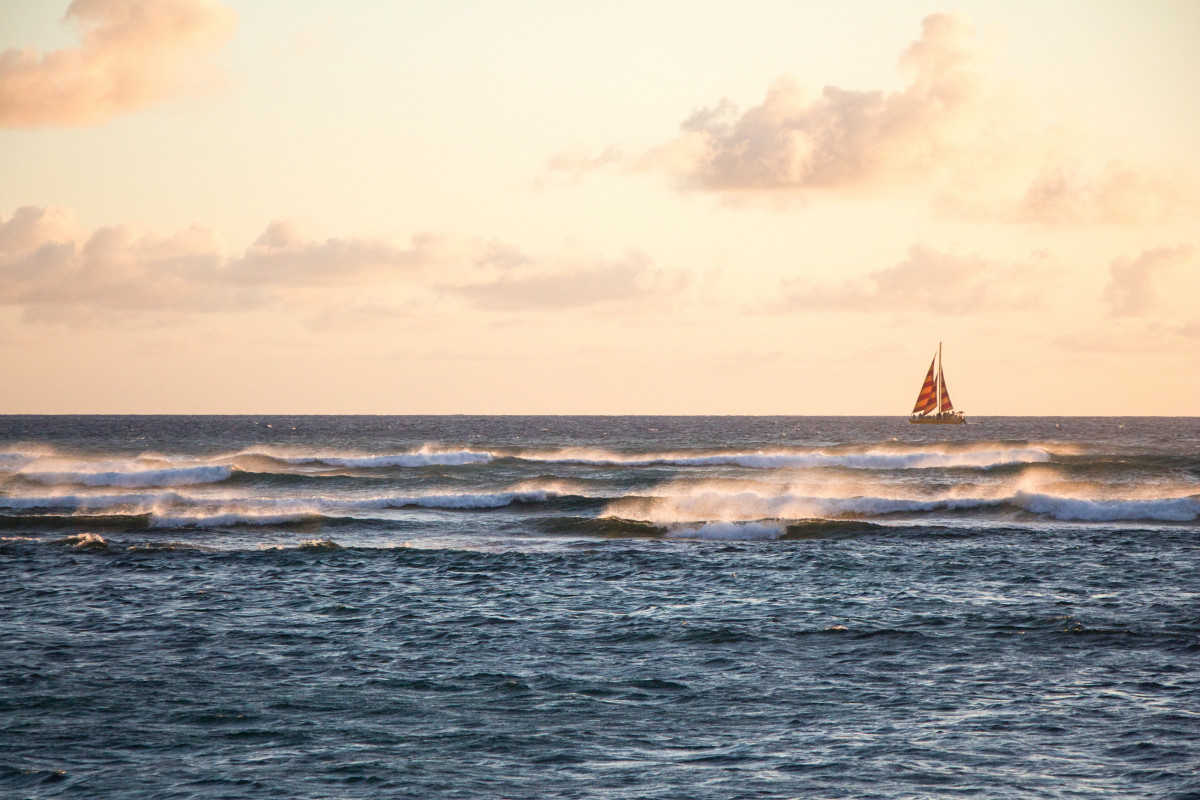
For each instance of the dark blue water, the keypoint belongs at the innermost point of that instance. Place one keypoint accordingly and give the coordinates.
(535, 607)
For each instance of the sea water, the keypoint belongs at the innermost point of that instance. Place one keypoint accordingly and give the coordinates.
(599, 607)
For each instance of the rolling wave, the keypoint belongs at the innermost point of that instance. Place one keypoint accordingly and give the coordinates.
(157, 470)
(699, 508)
(871, 459)
(89, 501)
(130, 478)
(177, 510)
(417, 459)
(742, 507)
(1171, 509)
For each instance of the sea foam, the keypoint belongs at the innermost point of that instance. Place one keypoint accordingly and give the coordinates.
(174, 476)
(729, 531)
(876, 459)
(1171, 509)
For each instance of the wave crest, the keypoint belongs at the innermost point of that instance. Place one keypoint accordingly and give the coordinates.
(420, 458)
(1171, 509)
(131, 478)
(869, 460)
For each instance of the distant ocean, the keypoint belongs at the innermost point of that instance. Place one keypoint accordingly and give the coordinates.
(599, 607)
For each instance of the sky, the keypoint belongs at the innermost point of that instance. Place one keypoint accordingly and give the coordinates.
(617, 208)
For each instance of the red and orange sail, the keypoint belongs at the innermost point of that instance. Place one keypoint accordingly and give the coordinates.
(927, 399)
(946, 404)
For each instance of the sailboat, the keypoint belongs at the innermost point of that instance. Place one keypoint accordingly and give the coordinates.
(933, 403)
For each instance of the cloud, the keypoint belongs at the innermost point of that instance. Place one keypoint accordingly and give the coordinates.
(1131, 289)
(1131, 338)
(976, 141)
(282, 256)
(52, 267)
(1120, 193)
(577, 160)
(929, 281)
(840, 138)
(627, 279)
(133, 53)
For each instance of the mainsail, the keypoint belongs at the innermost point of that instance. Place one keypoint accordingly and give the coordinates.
(933, 403)
(927, 399)
(946, 404)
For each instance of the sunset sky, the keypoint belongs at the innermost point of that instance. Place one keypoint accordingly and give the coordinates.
(642, 207)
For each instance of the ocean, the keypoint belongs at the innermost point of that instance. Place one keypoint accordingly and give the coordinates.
(599, 607)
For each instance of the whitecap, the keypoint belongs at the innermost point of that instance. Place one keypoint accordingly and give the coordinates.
(1175, 509)
(174, 476)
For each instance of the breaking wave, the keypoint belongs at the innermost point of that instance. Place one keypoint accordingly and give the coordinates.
(174, 476)
(739, 508)
(730, 531)
(171, 509)
(88, 501)
(421, 458)
(872, 459)
(1174, 509)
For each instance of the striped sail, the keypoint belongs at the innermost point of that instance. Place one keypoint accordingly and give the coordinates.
(946, 404)
(927, 399)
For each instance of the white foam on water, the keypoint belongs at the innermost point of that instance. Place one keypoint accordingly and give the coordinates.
(675, 504)
(83, 541)
(1170, 509)
(89, 501)
(130, 478)
(15, 460)
(870, 459)
(318, 545)
(729, 531)
(18, 455)
(161, 502)
(275, 511)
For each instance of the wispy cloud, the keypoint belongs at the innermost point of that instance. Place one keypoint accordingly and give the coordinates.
(630, 278)
(132, 54)
(932, 281)
(576, 161)
(1128, 337)
(1132, 284)
(48, 261)
(54, 269)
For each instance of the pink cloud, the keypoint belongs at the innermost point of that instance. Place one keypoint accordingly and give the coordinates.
(840, 137)
(977, 142)
(630, 278)
(929, 281)
(48, 262)
(133, 53)
(1132, 285)
(53, 269)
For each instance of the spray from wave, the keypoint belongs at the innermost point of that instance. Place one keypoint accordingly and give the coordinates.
(675, 506)
(130, 478)
(868, 460)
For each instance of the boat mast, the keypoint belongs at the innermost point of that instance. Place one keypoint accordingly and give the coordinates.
(939, 379)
